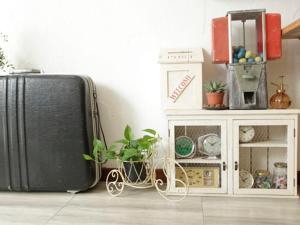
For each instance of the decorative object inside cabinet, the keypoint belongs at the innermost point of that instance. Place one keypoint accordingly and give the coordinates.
(199, 175)
(204, 140)
(266, 135)
(259, 155)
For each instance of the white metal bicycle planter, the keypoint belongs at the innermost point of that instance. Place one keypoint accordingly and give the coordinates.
(142, 175)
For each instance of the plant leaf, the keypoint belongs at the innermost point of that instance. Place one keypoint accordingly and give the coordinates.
(110, 154)
(147, 137)
(215, 86)
(150, 131)
(98, 148)
(128, 133)
(97, 152)
(98, 144)
(111, 148)
(145, 145)
(150, 139)
(130, 153)
(87, 157)
(122, 141)
(133, 144)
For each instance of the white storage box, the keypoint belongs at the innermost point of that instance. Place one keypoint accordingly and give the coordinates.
(181, 71)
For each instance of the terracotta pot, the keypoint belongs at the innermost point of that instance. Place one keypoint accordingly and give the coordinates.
(215, 98)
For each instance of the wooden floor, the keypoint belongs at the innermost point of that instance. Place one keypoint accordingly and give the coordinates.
(142, 207)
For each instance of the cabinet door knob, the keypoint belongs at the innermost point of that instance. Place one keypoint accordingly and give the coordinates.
(236, 165)
(224, 166)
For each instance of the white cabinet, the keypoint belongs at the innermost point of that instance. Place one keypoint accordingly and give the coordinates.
(272, 138)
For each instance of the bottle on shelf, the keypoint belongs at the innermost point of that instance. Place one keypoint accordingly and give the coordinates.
(280, 100)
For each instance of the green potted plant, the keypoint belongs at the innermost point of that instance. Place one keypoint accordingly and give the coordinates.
(215, 93)
(132, 153)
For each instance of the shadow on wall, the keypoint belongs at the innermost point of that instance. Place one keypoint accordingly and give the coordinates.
(287, 66)
(212, 72)
(115, 114)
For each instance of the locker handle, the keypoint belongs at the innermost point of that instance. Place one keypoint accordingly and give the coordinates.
(236, 165)
(224, 166)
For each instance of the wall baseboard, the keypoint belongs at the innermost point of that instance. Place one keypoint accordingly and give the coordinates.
(159, 174)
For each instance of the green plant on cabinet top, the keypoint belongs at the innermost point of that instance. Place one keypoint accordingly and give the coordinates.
(215, 86)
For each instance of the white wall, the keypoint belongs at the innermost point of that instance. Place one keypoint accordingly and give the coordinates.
(117, 43)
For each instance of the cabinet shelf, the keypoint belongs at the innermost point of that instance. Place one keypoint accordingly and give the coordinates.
(199, 160)
(265, 144)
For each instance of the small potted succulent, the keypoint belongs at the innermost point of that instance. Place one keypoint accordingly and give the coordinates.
(132, 153)
(215, 93)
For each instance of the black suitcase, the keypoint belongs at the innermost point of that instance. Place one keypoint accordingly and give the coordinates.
(47, 123)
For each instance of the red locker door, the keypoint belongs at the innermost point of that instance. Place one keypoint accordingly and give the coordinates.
(220, 53)
(273, 35)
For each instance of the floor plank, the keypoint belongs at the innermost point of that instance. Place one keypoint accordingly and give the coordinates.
(30, 208)
(132, 207)
(252, 211)
(136, 207)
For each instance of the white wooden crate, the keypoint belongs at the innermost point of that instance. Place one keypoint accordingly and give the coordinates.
(181, 71)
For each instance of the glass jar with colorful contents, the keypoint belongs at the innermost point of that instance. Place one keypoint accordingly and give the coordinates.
(262, 179)
(280, 175)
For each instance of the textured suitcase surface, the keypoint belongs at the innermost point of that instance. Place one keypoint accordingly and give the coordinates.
(46, 126)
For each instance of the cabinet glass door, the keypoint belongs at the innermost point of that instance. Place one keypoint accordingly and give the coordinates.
(200, 149)
(263, 157)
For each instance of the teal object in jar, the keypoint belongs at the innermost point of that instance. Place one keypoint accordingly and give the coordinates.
(262, 179)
